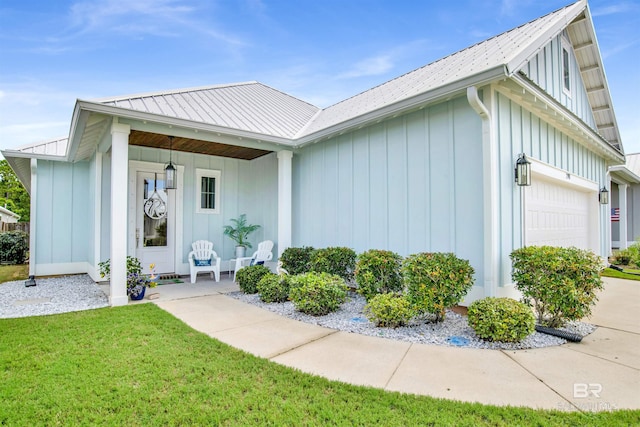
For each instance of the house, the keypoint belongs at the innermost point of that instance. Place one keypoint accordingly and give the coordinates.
(8, 217)
(424, 162)
(625, 202)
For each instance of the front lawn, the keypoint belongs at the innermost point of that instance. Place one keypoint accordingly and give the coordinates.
(610, 272)
(9, 273)
(138, 365)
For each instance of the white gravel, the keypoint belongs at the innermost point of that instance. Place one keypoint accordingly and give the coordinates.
(453, 331)
(50, 296)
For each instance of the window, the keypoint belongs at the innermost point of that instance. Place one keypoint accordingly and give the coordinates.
(566, 77)
(207, 191)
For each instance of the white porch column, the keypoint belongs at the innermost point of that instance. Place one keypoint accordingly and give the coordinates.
(284, 200)
(32, 217)
(119, 185)
(622, 196)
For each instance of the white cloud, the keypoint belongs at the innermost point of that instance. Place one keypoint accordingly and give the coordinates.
(613, 9)
(373, 66)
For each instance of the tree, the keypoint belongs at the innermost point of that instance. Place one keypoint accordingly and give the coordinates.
(13, 195)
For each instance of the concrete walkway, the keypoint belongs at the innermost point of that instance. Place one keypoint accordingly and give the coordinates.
(601, 373)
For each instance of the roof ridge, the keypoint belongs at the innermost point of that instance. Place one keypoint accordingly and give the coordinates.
(172, 91)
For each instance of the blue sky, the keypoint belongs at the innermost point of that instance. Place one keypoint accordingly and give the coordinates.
(322, 51)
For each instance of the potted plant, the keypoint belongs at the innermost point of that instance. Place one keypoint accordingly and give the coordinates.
(239, 233)
(137, 283)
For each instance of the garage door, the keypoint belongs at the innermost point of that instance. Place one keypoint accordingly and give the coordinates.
(557, 214)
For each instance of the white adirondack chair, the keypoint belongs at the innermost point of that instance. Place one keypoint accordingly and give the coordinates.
(204, 258)
(262, 255)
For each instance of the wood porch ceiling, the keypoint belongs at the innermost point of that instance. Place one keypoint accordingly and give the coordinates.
(154, 140)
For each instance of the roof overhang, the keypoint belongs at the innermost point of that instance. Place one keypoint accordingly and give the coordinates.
(620, 174)
(91, 120)
(442, 93)
(535, 99)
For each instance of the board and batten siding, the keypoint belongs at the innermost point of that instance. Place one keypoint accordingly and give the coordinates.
(545, 70)
(247, 186)
(63, 210)
(521, 131)
(409, 184)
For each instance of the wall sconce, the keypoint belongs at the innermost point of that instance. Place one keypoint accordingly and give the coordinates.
(523, 171)
(170, 182)
(604, 196)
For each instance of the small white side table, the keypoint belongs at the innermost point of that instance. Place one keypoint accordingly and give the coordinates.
(238, 263)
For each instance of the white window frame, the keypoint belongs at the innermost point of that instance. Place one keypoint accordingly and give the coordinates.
(208, 173)
(564, 47)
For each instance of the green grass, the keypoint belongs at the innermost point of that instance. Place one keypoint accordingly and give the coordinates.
(138, 365)
(9, 273)
(610, 272)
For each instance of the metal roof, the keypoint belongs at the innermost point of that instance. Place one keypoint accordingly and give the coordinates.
(509, 51)
(249, 106)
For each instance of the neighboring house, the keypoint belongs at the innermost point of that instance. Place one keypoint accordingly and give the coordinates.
(424, 162)
(8, 217)
(625, 202)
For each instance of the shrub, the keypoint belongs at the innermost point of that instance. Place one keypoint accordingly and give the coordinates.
(274, 287)
(622, 257)
(378, 272)
(14, 246)
(560, 283)
(336, 260)
(317, 293)
(389, 310)
(501, 319)
(297, 260)
(436, 281)
(248, 277)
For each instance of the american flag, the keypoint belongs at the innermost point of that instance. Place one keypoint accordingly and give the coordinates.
(615, 214)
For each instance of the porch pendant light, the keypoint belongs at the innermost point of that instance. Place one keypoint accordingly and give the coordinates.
(523, 171)
(604, 196)
(170, 182)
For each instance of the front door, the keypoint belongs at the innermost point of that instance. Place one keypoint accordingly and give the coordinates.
(155, 223)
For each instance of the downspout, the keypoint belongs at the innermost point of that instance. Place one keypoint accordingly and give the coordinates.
(490, 194)
(32, 217)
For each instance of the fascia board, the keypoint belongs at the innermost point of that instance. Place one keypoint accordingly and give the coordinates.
(187, 124)
(542, 39)
(596, 138)
(624, 174)
(440, 93)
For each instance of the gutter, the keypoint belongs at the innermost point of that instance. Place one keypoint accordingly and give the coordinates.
(490, 186)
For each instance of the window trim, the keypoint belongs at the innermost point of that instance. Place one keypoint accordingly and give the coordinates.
(566, 70)
(208, 173)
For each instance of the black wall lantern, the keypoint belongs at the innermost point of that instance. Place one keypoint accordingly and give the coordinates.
(171, 180)
(604, 196)
(523, 171)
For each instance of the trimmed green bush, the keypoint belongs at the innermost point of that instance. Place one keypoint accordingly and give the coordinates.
(248, 277)
(378, 272)
(622, 257)
(436, 281)
(274, 287)
(14, 246)
(340, 261)
(317, 293)
(560, 283)
(389, 310)
(297, 260)
(501, 319)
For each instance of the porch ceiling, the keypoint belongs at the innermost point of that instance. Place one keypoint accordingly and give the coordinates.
(154, 140)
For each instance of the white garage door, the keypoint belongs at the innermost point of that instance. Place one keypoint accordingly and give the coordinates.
(557, 214)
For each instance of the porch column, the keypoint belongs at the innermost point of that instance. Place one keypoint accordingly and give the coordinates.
(119, 185)
(284, 200)
(622, 196)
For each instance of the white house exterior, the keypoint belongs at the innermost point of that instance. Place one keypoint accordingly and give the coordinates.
(625, 202)
(7, 216)
(424, 162)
